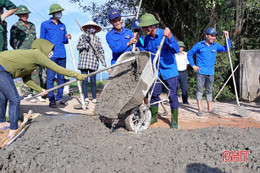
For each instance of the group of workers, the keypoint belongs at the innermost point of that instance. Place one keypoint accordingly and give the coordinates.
(173, 60)
(31, 55)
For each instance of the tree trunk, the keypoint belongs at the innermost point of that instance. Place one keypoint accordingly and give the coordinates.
(239, 17)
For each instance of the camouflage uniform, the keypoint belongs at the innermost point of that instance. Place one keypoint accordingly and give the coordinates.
(22, 38)
(7, 5)
(4, 25)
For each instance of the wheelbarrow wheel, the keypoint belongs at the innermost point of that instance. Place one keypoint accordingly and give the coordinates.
(135, 121)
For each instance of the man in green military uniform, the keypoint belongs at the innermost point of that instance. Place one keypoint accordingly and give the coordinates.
(11, 9)
(23, 33)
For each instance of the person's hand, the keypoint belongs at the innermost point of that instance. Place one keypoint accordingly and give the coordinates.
(109, 71)
(87, 37)
(137, 35)
(167, 33)
(68, 36)
(133, 40)
(137, 49)
(44, 93)
(196, 68)
(226, 34)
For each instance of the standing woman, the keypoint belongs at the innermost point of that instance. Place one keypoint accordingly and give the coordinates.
(88, 59)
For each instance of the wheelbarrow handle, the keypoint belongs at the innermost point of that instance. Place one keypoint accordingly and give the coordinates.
(88, 75)
(158, 53)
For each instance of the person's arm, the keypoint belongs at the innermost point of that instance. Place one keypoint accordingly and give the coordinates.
(43, 31)
(101, 52)
(46, 62)
(66, 36)
(11, 9)
(119, 46)
(190, 54)
(83, 43)
(170, 41)
(7, 14)
(13, 37)
(29, 82)
(224, 48)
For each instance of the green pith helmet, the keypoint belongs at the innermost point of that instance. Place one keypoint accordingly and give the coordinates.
(181, 44)
(147, 20)
(22, 10)
(55, 8)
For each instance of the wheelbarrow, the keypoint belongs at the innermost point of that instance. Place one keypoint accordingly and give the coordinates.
(127, 87)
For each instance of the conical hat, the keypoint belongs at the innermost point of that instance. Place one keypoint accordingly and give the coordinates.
(93, 24)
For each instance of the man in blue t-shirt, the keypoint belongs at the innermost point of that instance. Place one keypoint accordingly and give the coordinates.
(206, 52)
(168, 71)
(119, 39)
(54, 31)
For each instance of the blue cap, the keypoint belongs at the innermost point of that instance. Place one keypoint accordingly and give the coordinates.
(112, 14)
(135, 24)
(211, 31)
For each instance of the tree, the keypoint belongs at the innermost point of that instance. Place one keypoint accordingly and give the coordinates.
(189, 19)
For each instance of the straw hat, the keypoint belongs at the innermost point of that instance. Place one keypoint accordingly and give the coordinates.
(91, 23)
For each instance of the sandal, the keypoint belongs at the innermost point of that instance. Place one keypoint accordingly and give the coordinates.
(52, 105)
(199, 113)
(213, 112)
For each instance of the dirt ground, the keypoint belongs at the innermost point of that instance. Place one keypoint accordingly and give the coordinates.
(64, 139)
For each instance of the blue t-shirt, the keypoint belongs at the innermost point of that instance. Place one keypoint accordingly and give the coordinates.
(168, 65)
(117, 42)
(56, 34)
(206, 55)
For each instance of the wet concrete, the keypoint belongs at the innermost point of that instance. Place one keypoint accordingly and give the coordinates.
(81, 143)
(121, 87)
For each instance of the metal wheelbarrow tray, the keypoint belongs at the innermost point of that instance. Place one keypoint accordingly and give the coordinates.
(127, 86)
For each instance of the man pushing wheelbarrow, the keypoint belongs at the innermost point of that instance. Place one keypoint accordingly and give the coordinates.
(168, 70)
(129, 84)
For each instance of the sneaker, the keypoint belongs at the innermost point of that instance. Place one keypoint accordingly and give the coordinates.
(186, 103)
(86, 99)
(33, 100)
(94, 100)
(41, 99)
(29, 96)
(53, 104)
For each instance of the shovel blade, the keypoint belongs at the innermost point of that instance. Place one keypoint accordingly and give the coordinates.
(241, 111)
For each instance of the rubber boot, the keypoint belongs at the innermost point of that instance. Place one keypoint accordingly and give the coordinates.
(154, 111)
(174, 118)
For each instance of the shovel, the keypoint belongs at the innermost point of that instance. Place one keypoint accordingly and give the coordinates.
(83, 104)
(240, 109)
(88, 75)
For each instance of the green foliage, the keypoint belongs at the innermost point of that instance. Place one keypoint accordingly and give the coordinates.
(188, 20)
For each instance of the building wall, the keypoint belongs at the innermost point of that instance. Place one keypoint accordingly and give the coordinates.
(250, 75)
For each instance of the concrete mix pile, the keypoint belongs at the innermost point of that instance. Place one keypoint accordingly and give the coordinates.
(81, 143)
(120, 87)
